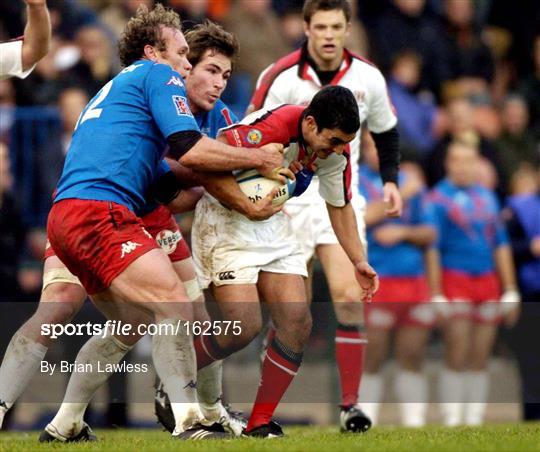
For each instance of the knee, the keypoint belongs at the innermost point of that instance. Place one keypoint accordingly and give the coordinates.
(60, 302)
(349, 312)
(455, 360)
(297, 327)
(349, 293)
(248, 331)
(411, 360)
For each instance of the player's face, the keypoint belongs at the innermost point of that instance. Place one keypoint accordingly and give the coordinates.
(207, 81)
(326, 33)
(176, 51)
(462, 164)
(326, 141)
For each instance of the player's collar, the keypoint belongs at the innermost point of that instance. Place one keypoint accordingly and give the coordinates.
(306, 71)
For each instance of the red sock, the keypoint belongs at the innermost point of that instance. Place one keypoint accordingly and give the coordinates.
(350, 345)
(279, 368)
(207, 350)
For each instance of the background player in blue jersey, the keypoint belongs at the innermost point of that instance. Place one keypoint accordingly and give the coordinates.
(396, 249)
(477, 273)
(105, 244)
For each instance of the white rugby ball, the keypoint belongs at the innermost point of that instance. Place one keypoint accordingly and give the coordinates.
(256, 187)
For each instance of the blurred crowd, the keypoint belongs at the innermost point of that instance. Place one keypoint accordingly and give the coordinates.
(457, 70)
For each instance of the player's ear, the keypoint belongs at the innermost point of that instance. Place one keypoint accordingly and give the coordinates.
(312, 124)
(348, 29)
(306, 29)
(150, 53)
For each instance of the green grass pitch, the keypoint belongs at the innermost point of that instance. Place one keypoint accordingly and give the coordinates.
(524, 437)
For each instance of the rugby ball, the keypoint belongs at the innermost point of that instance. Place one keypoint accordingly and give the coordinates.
(256, 187)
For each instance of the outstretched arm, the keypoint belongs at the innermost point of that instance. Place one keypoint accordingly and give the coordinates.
(37, 34)
(344, 224)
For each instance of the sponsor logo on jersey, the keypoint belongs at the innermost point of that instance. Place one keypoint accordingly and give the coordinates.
(182, 107)
(128, 247)
(254, 136)
(226, 276)
(175, 81)
(168, 240)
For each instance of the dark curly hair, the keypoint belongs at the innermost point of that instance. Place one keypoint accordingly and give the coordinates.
(210, 36)
(145, 29)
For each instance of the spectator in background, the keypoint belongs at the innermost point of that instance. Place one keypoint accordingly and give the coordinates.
(292, 27)
(396, 248)
(96, 65)
(192, 12)
(52, 152)
(11, 232)
(516, 146)
(357, 41)
(530, 88)
(44, 85)
(256, 26)
(116, 15)
(470, 60)
(470, 271)
(523, 215)
(421, 121)
(407, 25)
(69, 16)
(7, 108)
(461, 127)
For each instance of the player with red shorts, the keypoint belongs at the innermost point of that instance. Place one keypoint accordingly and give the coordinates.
(107, 247)
(397, 248)
(476, 288)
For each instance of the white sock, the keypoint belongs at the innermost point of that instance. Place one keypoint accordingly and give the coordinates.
(21, 361)
(175, 362)
(96, 354)
(412, 391)
(477, 389)
(210, 390)
(370, 395)
(451, 396)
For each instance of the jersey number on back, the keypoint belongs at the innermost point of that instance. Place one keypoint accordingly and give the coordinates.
(92, 112)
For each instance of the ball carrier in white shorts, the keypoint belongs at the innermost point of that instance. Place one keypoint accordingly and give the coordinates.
(242, 260)
(295, 79)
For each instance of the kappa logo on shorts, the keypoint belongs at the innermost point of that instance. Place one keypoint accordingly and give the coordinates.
(226, 276)
(182, 106)
(128, 247)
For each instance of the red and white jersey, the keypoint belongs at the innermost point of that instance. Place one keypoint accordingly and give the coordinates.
(282, 124)
(11, 60)
(292, 80)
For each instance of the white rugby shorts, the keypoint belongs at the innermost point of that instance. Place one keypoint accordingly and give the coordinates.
(312, 227)
(228, 248)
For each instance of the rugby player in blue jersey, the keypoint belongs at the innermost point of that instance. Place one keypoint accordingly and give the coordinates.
(477, 284)
(113, 159)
